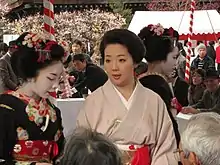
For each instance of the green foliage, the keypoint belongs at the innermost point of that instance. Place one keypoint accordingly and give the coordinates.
(118, 6)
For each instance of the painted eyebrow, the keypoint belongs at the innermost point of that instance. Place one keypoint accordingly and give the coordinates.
(119, 55)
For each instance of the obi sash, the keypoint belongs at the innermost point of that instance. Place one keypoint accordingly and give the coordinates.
(35, 151)
(135, 154)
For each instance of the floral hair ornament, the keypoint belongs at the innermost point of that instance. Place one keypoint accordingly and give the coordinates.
(41, 46)
(157, 29)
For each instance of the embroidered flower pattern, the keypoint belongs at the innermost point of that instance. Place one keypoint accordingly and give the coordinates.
(36, 111)
(157, 29)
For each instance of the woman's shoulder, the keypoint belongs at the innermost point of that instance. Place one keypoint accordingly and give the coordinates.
(9, 102)
(154, 82)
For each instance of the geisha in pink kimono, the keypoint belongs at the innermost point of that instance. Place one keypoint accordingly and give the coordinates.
(132, 116)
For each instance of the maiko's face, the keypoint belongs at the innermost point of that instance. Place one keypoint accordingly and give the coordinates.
(48, 79)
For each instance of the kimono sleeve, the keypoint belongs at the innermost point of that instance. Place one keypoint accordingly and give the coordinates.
(162, 153)
(83, 117)
(8, 133)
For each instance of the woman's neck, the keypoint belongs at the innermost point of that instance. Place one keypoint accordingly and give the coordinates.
(26, 90)
(127, 90)
(154, 68)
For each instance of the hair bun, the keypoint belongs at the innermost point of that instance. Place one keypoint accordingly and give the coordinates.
(157, 43)
(33, 54)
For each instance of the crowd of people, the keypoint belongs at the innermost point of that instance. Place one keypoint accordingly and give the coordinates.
(130, 108)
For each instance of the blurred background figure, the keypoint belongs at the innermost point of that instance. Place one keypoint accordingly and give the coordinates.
(180, 88)
(92, 76)
(218, 55)
(8, 79)
(86, 147)
(210, 101)
(3, 49)
(202, 61)
(197, 86)
(200, 140)
(180, 60)
(211, 50)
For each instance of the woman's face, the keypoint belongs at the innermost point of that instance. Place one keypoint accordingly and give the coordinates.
(48, 80)
(196, 79)
(168, 65)
(119, 65)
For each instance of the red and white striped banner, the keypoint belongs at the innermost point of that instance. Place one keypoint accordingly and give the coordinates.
(49, 18)
(189, 52)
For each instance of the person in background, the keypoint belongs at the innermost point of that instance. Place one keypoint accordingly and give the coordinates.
(78, 48)
(8, 79)
(218, 56)
(3, 49)
(161, 58)
(31, 126)
(197, 86)
(196, 51)
(132, 116)
(210, 101)
(202, 61)
(180, 88)
(211, 50)
(181, 60)
(87, 147)
(94, 76)
(200, 140)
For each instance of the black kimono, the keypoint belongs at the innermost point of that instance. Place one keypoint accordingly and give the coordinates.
(31, 131)
(160, 86)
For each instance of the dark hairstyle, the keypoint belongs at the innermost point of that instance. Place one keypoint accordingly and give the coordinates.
(201, 72)
(185, 42)
(79, 57)
(86, 147)
(126, 38)
(173, 34)
(199, 42)
(211, 73)
(211, 43)
(157, 46)
(141, 68)
(25, 62)
(78, 42)
(12, 44)
(4, 47)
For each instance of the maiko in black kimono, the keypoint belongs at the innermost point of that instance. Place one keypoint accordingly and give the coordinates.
(159, 85)
(31, 131)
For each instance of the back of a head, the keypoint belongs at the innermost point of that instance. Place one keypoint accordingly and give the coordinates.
(79, 57)
(86, 147)
(202, 136)
(3, 47)
(158, 42)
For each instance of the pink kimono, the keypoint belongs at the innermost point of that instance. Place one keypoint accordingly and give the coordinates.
(145, 123)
